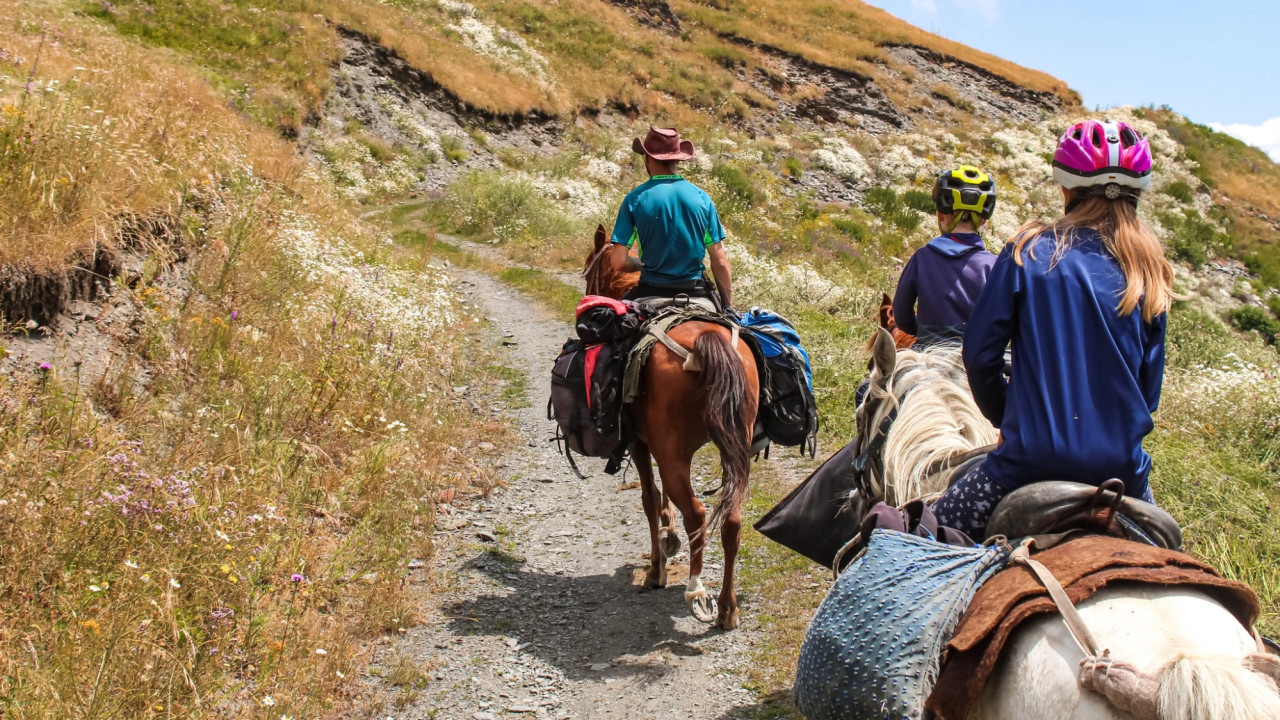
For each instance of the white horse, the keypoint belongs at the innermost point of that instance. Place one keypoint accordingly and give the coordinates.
(1179, 654)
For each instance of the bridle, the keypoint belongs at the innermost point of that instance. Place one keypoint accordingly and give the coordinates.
(589, 270)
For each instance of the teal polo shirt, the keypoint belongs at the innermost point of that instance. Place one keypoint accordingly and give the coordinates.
(672, 222)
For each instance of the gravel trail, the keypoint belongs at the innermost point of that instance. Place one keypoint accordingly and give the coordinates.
(537, 604)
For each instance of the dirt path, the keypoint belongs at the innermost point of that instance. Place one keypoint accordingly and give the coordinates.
(538, 609)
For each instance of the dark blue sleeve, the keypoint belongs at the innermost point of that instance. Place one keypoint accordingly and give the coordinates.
(988, 333)
(904, 299)
(1151, 374)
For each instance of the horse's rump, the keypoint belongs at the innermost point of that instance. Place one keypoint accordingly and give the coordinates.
(1083, 567)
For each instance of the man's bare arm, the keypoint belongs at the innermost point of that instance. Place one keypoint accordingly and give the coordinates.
(720, 271)
(621, 260)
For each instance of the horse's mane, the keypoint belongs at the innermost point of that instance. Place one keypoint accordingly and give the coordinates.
(937, 419)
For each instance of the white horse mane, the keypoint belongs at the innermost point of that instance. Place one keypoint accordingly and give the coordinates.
(937, 419)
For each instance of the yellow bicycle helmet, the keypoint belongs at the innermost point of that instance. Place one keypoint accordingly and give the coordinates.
(965, 189)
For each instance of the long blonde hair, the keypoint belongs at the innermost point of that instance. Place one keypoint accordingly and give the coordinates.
(1147, 273)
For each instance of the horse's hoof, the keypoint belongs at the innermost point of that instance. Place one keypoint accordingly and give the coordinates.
(728, 619)
(653, 581)
(670, 541)
(701, 605)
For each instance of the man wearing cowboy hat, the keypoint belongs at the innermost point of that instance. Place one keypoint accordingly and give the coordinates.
(673, 224)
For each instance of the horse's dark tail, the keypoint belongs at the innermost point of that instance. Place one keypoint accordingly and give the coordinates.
(728, 405)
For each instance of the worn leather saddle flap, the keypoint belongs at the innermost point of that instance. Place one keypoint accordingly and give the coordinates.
(1056, 506)
(1083, 566)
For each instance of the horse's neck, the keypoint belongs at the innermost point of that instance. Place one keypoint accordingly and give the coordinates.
(603, 279)
(937, 419)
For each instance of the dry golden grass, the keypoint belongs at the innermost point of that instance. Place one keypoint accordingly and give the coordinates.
(92, 126)
(600, 56)
(417, 37)
(220, 523)
(847, 34)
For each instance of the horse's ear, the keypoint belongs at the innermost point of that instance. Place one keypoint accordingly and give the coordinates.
(884, 353)
(601, 236)
(886, 311)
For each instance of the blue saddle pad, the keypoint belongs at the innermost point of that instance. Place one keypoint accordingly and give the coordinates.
(873, 649)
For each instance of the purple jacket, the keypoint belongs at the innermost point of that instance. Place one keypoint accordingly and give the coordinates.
(945, 277)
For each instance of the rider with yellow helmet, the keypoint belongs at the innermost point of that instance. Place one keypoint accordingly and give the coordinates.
(942, 281)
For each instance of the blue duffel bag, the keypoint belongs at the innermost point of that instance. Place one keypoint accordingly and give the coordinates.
(873, 650)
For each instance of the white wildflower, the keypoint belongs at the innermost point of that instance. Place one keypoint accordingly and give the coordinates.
(602, 171)
(900, 163)
(505, 46)
(840, 158)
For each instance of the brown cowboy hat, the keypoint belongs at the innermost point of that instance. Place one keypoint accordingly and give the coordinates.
(663, 144)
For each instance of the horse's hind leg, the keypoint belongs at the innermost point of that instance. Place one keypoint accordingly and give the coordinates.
(677, 486)
(730, 536)
(668, 535)
(656, 575)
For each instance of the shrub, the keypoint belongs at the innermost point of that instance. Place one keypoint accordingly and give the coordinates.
(882, 201)
(379, 149)
(453, 149)
(1192, 239)
(1179, 191)
(892, 208)
(793, 167)
(726, 56)
(806, 209)
(1265, 263)
(741, 192)
(948, 95)
(852, 228)
(1252, 318)
(509, 207)
(919, 200)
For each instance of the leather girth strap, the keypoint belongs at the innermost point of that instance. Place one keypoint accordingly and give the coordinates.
(691, 363)
(1075, 624)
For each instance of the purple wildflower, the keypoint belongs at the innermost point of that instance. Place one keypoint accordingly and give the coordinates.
(45, 367)
(297, 577)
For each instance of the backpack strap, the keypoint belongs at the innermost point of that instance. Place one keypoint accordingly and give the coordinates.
(691, 363)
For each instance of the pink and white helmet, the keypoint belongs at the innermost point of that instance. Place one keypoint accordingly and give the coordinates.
(1099, 154)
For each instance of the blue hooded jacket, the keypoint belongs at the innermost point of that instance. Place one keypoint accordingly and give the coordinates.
(1085, 380)
(946, 276)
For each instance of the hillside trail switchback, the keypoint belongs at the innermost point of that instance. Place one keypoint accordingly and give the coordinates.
(536, 606)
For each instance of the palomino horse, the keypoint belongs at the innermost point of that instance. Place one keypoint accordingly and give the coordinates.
(679, 412)
(1180, 639)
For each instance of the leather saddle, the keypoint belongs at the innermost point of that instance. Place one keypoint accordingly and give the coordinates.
(1054, 507)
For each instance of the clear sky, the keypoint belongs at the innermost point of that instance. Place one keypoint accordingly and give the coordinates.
(1215, 62)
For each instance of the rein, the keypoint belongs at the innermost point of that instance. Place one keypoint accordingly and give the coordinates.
(591, 266)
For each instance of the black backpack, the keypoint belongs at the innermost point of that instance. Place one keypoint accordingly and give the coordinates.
(790, 416)
(588, 411)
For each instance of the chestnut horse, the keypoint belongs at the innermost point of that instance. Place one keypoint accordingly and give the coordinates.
(678, 412)
(901, 339)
